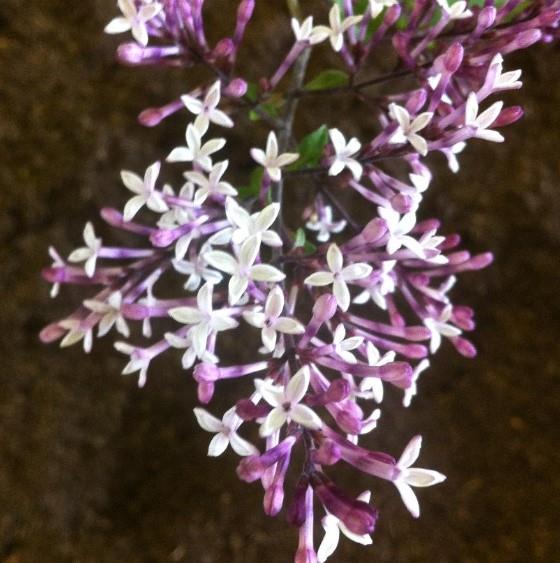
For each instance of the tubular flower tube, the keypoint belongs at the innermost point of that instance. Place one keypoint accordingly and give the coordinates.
(331, 325)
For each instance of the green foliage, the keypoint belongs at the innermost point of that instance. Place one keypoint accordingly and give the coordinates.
(311, 148)
(254, 187)
(331, 78)
(300, 241)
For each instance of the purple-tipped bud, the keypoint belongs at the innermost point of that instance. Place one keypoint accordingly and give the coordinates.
(296, 510)
(392, 15)
(223, 49)
(164, 237)
(374, 230)
(549, 18)
(349, 418)
(273, 499)
(237, 88)
(486, 18)
(253, 467)
(417, 101)
(523, 40)
(464, 347)
(508, 116)
(397, 373)
(130, 54)
(337, 391)
(325, 308)
(453, 57)
(481, 261)
(205, 392)
(327, 454)
(245, 11)
(402, 203)
(51, 333)
(154, 116)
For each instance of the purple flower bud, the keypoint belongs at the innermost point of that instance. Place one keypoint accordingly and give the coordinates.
(392, 15)
(253, 467)
(453, 57)
(337, 391)
(508, 116)
(486, 19)
(51, 333)
(464, 347)
(417, 101)
(296, 510)
(154, 116)
(223, 49)
(237, 88)
(328, 453)
(130, 54)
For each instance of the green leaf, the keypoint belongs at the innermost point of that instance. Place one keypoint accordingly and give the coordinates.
(252, 93)
(311, 148)
(331, 78)
(300, 238)
(254, 187)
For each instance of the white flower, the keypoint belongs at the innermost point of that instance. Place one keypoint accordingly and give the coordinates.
(286, 403)
(197, 271)
(451, 155)
(207, 110)
(76, 332)
(428, 241)
(306, 32)
(412, 390)
(226, 433)
(457, 11)
(420, 183)
(414, 476)
(58, 262)
(139, 361)
(484, 120)
(440, 327)
(333, 526)
(270, 320)
(88, 253)
(324, 225)
(343, 345)
(270, 160)
(505, 80)
(372, 387)
(246, 225)
(204, 319)
(337, 27)
(185, 343)
(339, 276)
(146, 193)
(376, 6)
(343, 155)
(212, 184)
(408, 128)
(384, 285)
(112, 315)
(195, 151)
(398, 228)
(243, 268)
(134, 20)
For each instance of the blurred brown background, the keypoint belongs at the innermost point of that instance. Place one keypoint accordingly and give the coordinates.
(94, 470)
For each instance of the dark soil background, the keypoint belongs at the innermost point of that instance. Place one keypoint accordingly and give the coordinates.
(94, 470)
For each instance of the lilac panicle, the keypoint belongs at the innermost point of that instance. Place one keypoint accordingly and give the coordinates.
(333, 324)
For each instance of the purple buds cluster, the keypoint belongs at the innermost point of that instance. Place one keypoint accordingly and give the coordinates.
(335, 323)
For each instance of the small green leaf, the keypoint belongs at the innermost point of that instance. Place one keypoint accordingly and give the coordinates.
(254, 187)
(311, 148)
(331, 78)
(252, 93)
(300, 238)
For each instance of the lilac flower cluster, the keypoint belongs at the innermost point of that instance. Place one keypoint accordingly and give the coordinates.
(332, 323)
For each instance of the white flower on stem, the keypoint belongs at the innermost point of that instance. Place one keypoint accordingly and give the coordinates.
(134, 19)
(139, 361)
(339, 276)
(88, 253)
(376, 6)
(185, 343)
(451, 155)
(204, 319)
(226, 433)
(195, 151)
(414, 476)
(384, 286)
(343, 155)
(197, 271)
(398, 228)
(337, 27)
(429, 242)
(343, 345)
(440, 327)
(207, 110)
(505, 80)
(306, 32)
(178, 214)
(270, 320)
(333, 526)
(211, 184)
(243, 268)
(372, 387)
(482, 122)
(246, 225)
(112, 314)
(457, 11)
(420, 184)
(270, 160)
(76, 332)
(58, 262)
(408, 128)
(146, 192)
(323, 224)
(286, 403)
(413, 389)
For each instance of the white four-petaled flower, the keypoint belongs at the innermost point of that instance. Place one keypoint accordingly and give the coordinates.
(306, 32)
(195, 151)
(134, 19)
(88, 253)
(384, 285)
(376, 6)
(146, 192)
(343, 155)
(372, 387)
(207, 110)
(322, 222)
(339, 276)
(343, 345)
(226, 433)
(270, 321)
(270, 160)
(440, 327)
(212, 184)
(398, 228)
(408, 128)
(286, 403)
(246, 225)
(482, 122)
(457, 11)
(414, 476)
(337, 27)
(333, 526)
(111, 314)
(243, 268)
